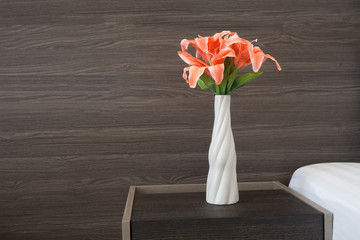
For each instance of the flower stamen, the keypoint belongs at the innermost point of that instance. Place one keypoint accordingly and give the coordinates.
(254, 41)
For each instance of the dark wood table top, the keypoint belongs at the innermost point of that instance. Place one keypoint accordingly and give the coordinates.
(259, 214)
(259, 204)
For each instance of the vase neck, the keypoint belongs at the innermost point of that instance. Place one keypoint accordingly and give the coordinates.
(222, 96)
(222, 106)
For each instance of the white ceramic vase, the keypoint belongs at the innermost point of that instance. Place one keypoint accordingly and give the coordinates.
(221, 187)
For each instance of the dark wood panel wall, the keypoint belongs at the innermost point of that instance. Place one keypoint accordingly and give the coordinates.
(92, 101)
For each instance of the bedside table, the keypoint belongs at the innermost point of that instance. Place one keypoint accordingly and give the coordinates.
(266, 210)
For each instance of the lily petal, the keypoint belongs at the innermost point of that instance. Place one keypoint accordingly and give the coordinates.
(191, 60)
(212, 45)
(219, 40)
(194, 75)
(236, 39)
(220, 57)
(257, 61)
(220, 35)
(256, 57)
(202, 43)
(272, 58)
(242, 58)
(185, 44)
(217, 72)
(185, 74)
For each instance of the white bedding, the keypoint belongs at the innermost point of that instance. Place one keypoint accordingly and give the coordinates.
(336, 187)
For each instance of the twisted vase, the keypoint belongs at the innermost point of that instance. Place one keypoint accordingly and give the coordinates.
(221, 187)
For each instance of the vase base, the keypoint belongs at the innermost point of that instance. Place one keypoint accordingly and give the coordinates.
(222, 204)
(224, 201)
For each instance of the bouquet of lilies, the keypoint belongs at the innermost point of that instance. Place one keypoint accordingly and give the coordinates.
(218, 61)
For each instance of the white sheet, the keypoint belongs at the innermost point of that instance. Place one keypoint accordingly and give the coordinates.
(336, 187)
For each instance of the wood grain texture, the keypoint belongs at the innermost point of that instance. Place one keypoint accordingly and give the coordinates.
(92, 101)
(264, 214)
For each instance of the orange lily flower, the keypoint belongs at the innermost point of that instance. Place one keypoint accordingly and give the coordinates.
(241, 48)
(213, 50)
(258, 57)
(247, 54)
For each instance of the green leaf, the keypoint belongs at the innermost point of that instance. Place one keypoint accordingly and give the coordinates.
(232, 78)
(206, 79)
(245, 79)
(222, 87)
(217, 89)
(206, 82)
(202, 85)
(223, 84)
